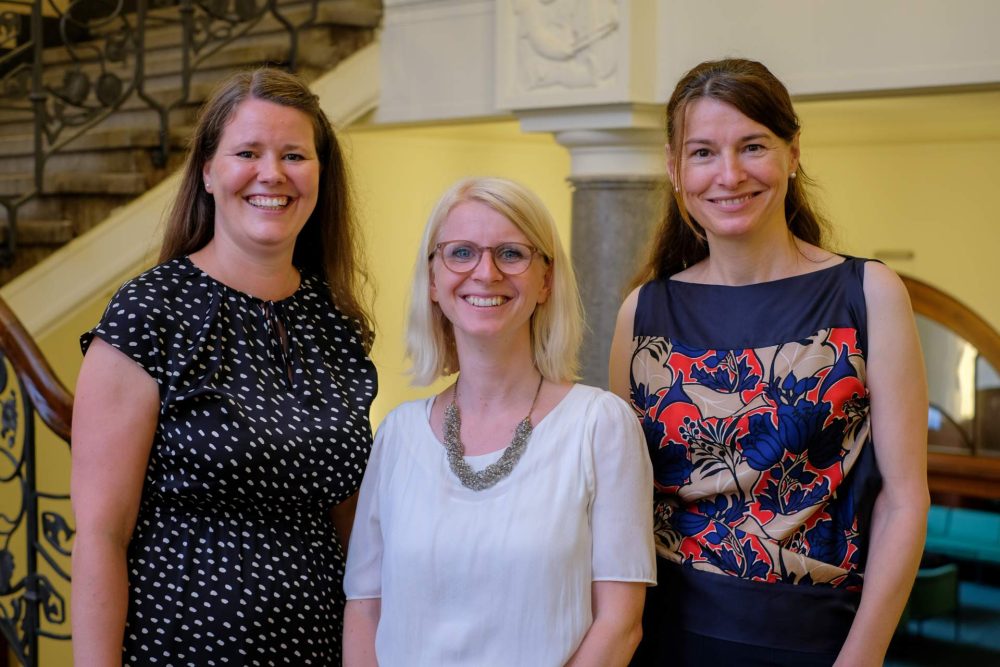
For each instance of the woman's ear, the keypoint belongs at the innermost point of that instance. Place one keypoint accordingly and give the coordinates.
(206, 177)
(432, 286)
(546, 290)
(795, 151)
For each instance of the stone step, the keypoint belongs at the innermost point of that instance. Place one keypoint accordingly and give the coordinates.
(134, 111)
(72, 183)
(318, 55)
(168, 34)
(85, 210)
(120, 160)
(166, 86)
(39, 232)
(100, 139)
(165, 62)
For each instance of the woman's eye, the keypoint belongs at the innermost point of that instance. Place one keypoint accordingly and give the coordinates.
(245, 154)
(461, 253)
(701, 153)
(510, 254)
(754, 148)
(294, 157)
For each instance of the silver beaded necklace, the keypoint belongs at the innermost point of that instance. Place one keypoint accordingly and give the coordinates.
(494, 472)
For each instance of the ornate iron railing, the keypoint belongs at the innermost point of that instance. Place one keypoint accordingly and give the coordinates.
(35, 530)
(104, 65)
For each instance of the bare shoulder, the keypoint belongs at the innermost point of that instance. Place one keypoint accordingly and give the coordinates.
(883, 288)
(629, 305)
(619, 363)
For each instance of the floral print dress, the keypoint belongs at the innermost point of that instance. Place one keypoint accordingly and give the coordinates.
(756, 414)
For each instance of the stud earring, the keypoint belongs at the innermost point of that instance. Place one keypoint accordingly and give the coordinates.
(793, 175)
(208, 187)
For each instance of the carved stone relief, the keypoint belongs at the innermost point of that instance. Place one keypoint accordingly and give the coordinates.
(566, 43)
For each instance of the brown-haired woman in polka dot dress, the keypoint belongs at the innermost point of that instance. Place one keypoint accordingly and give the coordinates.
(221, 423)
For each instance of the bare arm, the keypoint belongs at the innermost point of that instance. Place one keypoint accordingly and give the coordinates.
(342, 515)
(114, 419)
(620, 363)
(617, 627)
(360, 622)
(899, 430)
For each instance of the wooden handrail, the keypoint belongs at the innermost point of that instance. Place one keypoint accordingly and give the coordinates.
(49, 396)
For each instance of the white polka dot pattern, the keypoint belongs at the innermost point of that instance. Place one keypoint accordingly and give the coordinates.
(234, 560)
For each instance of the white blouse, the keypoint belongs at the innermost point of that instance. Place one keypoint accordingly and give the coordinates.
(502, 576)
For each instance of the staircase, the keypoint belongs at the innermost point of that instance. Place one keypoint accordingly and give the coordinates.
(124, 155)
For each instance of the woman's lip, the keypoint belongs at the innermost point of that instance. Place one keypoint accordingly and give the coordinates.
(481, 301)
(269, 200)
(733, 200)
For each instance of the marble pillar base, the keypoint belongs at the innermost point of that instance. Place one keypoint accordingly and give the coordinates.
(613, 218)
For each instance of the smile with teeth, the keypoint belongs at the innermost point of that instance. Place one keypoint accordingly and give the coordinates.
(272, 203)
(734, 201)
(486, 302)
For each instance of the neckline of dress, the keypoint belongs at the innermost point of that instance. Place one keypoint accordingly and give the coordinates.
(764, 283)
(303, 278)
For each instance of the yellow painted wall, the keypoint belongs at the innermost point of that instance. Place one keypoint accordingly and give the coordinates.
(914, 174)
(898, 173)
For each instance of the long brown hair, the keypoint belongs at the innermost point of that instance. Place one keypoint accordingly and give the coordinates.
(329, 243)
(754, 91)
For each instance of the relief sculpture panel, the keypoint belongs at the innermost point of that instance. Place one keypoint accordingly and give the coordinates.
(566, 43)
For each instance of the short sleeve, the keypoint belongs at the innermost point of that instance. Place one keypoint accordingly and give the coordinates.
(363, 572)
(128, 326)
(622, 509)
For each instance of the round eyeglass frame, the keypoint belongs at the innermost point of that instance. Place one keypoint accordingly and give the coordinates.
(481, 249)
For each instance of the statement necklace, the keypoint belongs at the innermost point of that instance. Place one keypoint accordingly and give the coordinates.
(494, 472)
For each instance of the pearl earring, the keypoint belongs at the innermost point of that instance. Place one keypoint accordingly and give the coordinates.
(793, 175)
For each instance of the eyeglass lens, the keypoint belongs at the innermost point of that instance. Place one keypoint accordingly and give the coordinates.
(463, 256)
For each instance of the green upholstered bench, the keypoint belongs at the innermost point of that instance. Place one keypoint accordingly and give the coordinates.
(964, 534)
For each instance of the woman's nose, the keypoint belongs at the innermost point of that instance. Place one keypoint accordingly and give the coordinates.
(731, 171)
(271, 170)
(486, 270)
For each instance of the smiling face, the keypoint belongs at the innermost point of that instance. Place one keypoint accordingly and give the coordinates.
(734, 171)
(264, 177)
(485, 303)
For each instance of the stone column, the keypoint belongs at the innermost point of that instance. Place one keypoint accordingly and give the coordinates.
(617, 175)
(612, 220)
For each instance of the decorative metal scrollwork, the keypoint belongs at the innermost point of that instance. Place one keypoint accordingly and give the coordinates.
(32, 599)
(104, 56)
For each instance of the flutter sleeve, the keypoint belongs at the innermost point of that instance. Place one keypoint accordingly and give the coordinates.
(129, 324)
(622, 508)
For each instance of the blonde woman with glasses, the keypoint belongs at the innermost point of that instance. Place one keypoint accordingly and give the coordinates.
(504, 521)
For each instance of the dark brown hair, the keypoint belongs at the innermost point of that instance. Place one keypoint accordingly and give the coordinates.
(748, 86)
(329, 243)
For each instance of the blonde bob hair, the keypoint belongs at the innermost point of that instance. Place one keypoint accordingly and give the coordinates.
(556, 325)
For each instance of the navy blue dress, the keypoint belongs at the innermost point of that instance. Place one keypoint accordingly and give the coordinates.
(756, 413)
(234, 559)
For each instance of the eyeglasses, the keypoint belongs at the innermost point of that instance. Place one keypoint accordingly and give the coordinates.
(510, 258)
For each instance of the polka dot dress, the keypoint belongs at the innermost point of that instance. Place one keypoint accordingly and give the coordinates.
(263, 427)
